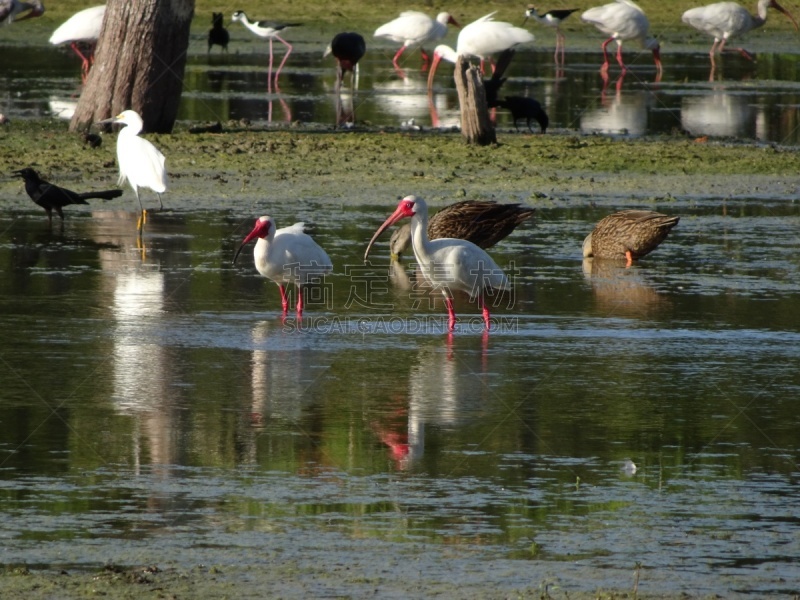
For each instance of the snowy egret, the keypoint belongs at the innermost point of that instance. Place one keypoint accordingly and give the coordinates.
(53, 198)
(628, 235)
(287, 255)
(447, 263)
(140, 162)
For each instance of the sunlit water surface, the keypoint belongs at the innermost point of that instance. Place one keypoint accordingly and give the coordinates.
(613, 417)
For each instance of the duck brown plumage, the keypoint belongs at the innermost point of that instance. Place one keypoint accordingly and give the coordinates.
(482, 222)
(628, 235)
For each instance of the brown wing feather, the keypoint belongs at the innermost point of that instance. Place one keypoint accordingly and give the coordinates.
(637, 231)
(484, 223)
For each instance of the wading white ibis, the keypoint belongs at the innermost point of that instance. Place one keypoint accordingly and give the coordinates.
(269, 30)
(82, 28)
(53, 198)
(448, 264)
(481, 39)
(287, 255)
(482, 222)
(347, 48)
(623, 20)
(414, 28)
(9, 9)
(552, 18)
(628, 235)
(140, 162)
(218, 35)
(724, 20)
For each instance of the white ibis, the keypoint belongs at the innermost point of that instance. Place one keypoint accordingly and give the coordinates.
(347, 48)
(628, 235)
(140, 162)
(623, 20)
(81, 28)
(218, 35)
(552, 18)
(447, 263)
(53, 198)
(286, 255)
(481, 39)
(9, 9)
(414, 28)
(724, 20)
(269, 30)
(482, 222)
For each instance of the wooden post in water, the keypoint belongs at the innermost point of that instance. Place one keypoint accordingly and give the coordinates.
(476, 127)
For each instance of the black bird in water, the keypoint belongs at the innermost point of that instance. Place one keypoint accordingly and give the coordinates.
(218, 34)
(521, 107)
(348, 48)
(53, 198)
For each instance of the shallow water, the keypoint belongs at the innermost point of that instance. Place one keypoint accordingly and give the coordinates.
(154, 395)
(751, 100)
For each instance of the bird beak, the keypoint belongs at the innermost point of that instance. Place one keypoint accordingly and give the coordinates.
(778, 7)
(525, 20)
(249, 238)
(453, 22)
(106, 121)
(396, 216)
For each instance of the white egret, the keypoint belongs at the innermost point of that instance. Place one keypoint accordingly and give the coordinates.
(140, 162)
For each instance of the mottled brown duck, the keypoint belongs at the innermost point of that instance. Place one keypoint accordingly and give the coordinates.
(628, 235)
(482, 222)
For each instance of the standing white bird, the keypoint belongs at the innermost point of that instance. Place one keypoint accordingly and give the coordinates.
(481, 39)
(269, 30)
(287, 255)
(81, 28)
(447, 263)
(140, 162)
(9, 9)
(414, 28)
(724, 20)
(552, 18)
(623, 20)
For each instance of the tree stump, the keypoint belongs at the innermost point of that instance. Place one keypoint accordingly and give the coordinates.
(139, 63)
(476, 126)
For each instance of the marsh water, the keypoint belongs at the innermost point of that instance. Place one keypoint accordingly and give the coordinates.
(616, 425)
(739, 99)
(153, 394)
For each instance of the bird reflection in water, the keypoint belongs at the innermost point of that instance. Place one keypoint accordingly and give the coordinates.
(621, 291)
(142, 383)
(448, 388)
(280, 376)
(624, 114)
(722, 114)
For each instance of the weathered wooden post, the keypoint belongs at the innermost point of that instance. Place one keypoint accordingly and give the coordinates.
(476, 127)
